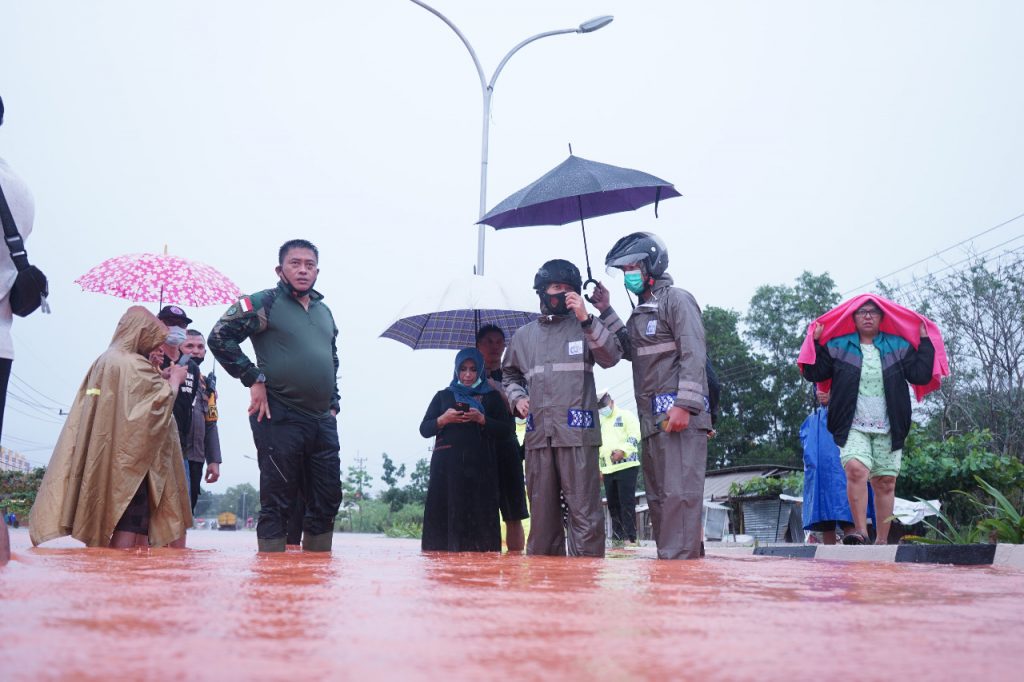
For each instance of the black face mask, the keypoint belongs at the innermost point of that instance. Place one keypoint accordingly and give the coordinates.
(196, 360)
(555, 303)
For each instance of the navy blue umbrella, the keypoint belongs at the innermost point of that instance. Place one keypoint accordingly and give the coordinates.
(577, 189)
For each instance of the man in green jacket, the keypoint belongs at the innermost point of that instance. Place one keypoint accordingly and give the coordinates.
(294, 390)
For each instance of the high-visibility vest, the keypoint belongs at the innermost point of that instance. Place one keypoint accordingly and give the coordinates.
(619, 431)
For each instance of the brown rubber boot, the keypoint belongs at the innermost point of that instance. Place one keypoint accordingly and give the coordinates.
(317, 543)
(270, 544)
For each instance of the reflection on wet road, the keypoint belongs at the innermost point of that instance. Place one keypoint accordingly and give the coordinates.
(379, 609)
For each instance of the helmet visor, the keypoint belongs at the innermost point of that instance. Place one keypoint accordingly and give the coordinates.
(614, 264)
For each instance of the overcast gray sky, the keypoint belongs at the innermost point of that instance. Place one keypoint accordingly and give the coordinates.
(853, 138)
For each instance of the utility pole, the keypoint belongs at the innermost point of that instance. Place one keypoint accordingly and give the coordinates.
(360, 475)
(361, 469)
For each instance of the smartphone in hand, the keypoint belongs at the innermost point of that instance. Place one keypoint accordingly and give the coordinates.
(462, 407)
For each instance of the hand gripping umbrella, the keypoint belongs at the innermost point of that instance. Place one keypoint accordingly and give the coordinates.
(450, 317)
(577, 189)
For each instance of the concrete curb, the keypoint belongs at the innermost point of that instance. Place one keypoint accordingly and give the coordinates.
(1008, 556)
(1011, 556)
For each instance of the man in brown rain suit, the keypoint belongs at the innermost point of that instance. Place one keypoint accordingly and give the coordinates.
(548, 375)
(664, 338)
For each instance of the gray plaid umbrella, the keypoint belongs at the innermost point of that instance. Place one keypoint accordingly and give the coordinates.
(450, 319)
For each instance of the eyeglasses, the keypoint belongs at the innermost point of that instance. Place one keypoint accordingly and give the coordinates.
(868, 312)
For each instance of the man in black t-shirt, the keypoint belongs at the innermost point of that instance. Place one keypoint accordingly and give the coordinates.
(177, 322)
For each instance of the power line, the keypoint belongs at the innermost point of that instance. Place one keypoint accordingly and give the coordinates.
(19, 439)
(925, 282)
(937, 253)
(747, 370)
(22, 382)
(32, 416)
(29, 402)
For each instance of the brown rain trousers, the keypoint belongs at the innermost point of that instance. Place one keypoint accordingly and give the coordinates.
(573, 470)
(673, 466)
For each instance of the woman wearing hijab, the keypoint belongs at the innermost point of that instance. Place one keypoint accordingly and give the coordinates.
(467, 419)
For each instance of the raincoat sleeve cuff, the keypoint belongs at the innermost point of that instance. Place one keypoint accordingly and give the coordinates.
(611, 320)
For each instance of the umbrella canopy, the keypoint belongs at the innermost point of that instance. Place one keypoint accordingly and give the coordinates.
(577, 189)
(150, 277)
(449, 317)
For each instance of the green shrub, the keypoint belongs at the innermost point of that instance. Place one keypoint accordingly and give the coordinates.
(935, 469)
(792, 484)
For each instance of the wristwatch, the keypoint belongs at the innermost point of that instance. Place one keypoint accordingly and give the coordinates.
(261, 379)
(587, 322)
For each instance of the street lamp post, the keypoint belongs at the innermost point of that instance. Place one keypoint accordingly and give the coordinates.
(487, 88)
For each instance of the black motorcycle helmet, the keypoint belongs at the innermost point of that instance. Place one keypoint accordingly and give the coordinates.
(561, 271)
(640, 247)
(557, 270)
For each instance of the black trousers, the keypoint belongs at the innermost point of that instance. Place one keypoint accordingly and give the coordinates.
(195, 477)
(620, 490)
(5, 377)
(296, 450)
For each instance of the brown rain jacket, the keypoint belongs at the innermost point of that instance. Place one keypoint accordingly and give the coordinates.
(551, 361)
(119, 431)
(664, 339)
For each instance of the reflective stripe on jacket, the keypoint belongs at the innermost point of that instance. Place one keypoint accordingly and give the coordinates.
(664, 339)
(551, 361)
(619, 431)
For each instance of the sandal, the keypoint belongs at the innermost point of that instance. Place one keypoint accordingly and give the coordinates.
(854, 538)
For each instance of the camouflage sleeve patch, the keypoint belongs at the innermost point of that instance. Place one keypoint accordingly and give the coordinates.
(244, 318)
(248, 306)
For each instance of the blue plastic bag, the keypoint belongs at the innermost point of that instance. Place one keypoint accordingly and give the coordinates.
(825, 496)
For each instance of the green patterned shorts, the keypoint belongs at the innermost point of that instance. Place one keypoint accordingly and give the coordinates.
(873, 451)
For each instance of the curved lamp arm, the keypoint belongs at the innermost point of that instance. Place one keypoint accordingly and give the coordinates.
(523, 44)
(472, 52)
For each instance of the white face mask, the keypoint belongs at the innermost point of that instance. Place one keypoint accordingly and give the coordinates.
(175, 336)
(605, 411)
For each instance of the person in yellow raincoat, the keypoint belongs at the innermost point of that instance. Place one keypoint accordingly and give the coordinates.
(116, 475)
(619, 459)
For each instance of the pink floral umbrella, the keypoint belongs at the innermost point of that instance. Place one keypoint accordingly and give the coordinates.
(145, 277)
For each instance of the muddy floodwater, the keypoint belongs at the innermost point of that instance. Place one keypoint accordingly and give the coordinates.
(378, 609)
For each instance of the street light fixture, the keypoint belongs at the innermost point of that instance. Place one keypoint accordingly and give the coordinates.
(487, 88)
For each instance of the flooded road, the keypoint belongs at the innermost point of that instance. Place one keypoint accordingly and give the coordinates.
(379, 609)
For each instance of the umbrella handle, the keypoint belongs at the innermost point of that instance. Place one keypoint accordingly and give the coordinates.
(587, 284)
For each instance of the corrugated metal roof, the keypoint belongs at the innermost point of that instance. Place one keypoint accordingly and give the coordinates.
(716, 485)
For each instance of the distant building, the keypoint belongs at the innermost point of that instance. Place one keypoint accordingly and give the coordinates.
(13, 461)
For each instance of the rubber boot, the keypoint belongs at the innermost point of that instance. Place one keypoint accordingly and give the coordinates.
(270, 544)
(317, 543)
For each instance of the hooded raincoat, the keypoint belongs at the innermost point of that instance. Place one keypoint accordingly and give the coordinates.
(664, 339)
(551, 361)
(120, 431)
